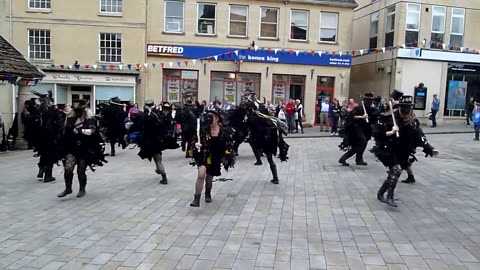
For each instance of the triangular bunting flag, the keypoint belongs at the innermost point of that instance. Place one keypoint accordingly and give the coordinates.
(129, 66)
(104, 67)
(297, 52)
(154, 65)
(229, 54)
(70, 67)
(216, 57)
(137, 66)
(236, 52)
(340, 53)
(320, 53)
(145, 65)
(179, 63)
(170, 64)
(312, 53)
(275, 50)
(208, 59)
(403, 46)
(361, 52)
(94, 67)
(120, 67)
(461, 49)
(162, 64)
(383, 49)
(87, 66)
(62, 66)
(186, 62)
(256, 47)
(353, 53)
(194, 61)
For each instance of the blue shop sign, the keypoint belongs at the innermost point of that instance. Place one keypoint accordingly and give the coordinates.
(259, 56)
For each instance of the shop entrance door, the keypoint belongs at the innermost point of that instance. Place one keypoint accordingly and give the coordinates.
(78, 93)
(324, 91)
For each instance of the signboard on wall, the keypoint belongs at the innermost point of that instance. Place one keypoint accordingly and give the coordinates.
(173, 90)
(279, 93)
(261, 55)
(229, 91)
(420, 98)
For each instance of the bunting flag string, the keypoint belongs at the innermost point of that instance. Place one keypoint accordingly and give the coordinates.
(235, 55)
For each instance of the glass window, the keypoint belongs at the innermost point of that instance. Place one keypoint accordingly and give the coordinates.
(173, 16)
(390, 26)
(233, 86)
(299, 24)
(413, 24)
(463, 82)
(179, 85)
(110, 47)
(111, 6)
(374, 29)
(328, 26)
(269, 22)
(39, 4)
(438, 27)
(39, 44)
(457, 28)
(206, 18)
(238, 18)
(286, 87)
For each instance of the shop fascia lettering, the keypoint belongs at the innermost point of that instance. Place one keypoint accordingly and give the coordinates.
(68, 78)
(164, 49)
(259, 58)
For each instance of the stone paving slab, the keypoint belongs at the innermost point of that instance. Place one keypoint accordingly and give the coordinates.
(320, 216)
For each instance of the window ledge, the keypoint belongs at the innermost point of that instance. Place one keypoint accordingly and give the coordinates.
(298, 41)
(328, 43)
(173, 33)
(39, 10)
(267, 38)
(108, 14)
(41, 61)
(205, 35)
(239, 37)
(111, 63)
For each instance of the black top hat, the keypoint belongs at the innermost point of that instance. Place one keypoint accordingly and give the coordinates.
(368, 96)
(406, 101)
(80, 104)
(215, 111)
(396, 94)
(149, 103)
(115, 99)
(165, 105)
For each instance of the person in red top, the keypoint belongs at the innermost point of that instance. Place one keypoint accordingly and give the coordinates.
(351, 105)
(290, 113)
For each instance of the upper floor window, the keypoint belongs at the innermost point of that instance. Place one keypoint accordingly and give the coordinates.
(238, 21)
(269, 22)
(173, 22)
(111, 6)
(390, 26)
(110, 47)
(413, 24)
(374, 29)
(39, 44)
(328, 26)
(206, 18)
(457, 28)
(438, 27)
(39, 4)
(299, 25)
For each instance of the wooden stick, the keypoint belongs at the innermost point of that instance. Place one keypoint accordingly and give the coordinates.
(198, 130)
(363, 105)
(393, 117)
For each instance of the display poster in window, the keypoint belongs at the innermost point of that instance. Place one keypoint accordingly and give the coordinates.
(420, 98)
(229, 91)
(279, 92)
(190, 89)
(173, 90)
(457, 95)
(247, 88)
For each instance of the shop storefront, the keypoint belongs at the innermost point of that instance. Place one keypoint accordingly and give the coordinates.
(463, 82)
(286, 87)
(324, 91)
(179, 84)
(233, 85)
(97, 88)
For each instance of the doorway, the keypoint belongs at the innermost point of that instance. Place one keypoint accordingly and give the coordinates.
(78, 93)
(324, 91)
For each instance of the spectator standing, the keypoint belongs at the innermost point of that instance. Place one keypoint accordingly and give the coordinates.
(351, 105)
(335, 115)
(324, 121)
(226, 105)
(476, 120)
(290, 113)
(299, 116)
(469, 107)
(343, 113)
(435, 108)
(133, 111)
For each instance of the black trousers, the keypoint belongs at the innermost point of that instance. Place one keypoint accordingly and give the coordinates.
(358, 148)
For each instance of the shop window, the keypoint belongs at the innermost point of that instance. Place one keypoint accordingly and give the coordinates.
(233, 86)
(238, 21)
(286, 87)
(179, 85)
(206, 18)
(457, 28)
(374, 29)
(328, 27)
(463, 82)
(269, 22)
(299, 25)
(438, 27)
(413, 25)
(173, 22)
(325, 90)
(390, 26)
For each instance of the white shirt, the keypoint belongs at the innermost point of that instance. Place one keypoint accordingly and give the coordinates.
(325, 107)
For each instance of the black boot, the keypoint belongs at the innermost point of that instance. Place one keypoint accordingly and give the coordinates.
(343, 162)
(382, 191)
(40, 172)
(410, 179)
(164, 180)
(83, 184)
(48, 175)
(196, 201)
(208, 193)
(390, 201)
(258, 163)
(68, 186)
(273, 168)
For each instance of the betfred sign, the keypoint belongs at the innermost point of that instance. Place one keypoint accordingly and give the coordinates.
(164, 50)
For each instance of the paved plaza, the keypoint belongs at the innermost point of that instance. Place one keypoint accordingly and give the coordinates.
(321, 216)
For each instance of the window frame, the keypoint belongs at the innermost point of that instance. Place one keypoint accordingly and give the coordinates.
(390, 14)
(215, 20)
(165, 17)
(117, 13)
(47, 3)
(373, 21)
(419, 17)
(246, 19)
(444, 19)
(49, 45)
(308, 24)
(100, 48)
(336, 27)
(269, 23)
(457, 16)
